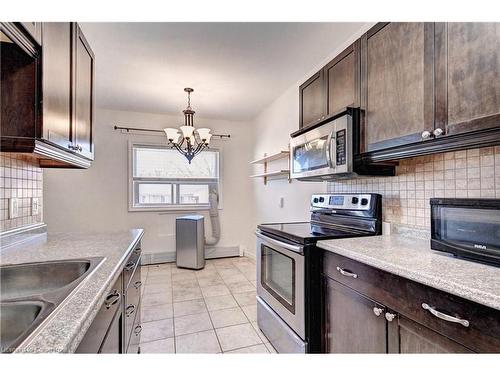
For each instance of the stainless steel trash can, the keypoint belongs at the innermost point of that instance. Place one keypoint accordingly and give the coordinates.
(190, 241)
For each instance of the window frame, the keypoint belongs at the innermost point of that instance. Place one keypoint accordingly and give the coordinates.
(133, 192)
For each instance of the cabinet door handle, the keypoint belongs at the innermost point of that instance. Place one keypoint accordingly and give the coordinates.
(112, 299)
(437, 132)
(389, 316)
(138, 284)
(377, 311)
(137, 251)
(426, 134)
(444, 316)
(137, 329)
(347, 273)
(129, 310)
(129, 266)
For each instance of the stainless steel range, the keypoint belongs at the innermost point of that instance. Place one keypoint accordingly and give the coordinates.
(288, 266)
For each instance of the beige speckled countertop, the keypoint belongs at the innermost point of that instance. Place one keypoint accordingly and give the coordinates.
(63, 330)
(413, 259)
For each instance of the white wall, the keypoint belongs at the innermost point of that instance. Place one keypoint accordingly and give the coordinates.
(272, 128)
(97, 199)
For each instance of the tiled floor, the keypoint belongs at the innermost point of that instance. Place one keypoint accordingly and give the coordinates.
(208, 311)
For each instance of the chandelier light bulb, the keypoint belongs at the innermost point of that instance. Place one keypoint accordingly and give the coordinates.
(203, 133)
(187, 131)
(172, 134)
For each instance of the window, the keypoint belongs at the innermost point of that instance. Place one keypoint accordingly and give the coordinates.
(161, 178)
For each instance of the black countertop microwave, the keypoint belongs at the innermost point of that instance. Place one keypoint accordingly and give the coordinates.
(468, 228)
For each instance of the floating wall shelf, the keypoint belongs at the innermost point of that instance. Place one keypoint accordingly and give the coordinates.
(266, 175)
(272, 157)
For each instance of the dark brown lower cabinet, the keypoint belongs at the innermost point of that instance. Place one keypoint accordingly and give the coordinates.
(368, 310)
(104, 334)
(357, 324)
(352, 326)
(112, 343)
(406, 336)
(117, 326)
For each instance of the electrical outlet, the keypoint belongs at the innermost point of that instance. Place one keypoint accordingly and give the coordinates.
(35, 206)
(13, 208)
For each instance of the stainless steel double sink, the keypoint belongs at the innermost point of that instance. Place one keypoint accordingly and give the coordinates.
(30, 292)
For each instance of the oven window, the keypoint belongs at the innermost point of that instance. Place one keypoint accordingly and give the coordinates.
(311, 155)
(477, 228)
(278, 276)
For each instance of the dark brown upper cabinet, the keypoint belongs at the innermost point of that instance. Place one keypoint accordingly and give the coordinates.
(48, 93)
(397, 76)
(342, 80)
(56, 82)
(83, 96)
(429, 88)
(333, 88)
(34, 29)
(312, 100)
(467, 76)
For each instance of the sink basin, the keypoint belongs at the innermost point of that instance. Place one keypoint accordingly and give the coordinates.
(30, 292)
(17, 318)
(19, 281)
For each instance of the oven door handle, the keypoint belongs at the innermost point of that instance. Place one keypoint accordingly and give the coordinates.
(294, 248)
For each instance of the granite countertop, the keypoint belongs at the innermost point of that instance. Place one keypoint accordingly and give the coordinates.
(412, 258)
(63, 330)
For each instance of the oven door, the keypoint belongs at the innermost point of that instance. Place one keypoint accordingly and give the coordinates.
(280, 280)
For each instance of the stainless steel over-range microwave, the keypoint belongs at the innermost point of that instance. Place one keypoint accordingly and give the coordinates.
(330, 150)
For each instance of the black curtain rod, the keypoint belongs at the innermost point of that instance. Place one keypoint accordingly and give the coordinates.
(127, 129)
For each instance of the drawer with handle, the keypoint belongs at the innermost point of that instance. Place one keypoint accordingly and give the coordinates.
(468, 323)
(133, 262)
(135, 336)
(132, 303)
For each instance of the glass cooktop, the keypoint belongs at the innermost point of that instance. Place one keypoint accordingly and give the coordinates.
(305, 232)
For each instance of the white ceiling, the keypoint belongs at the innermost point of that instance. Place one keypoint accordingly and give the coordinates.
(236, 69)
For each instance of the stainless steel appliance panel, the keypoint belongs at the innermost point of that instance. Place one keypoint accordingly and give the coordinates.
(323, 152)
(280, 280)
(281, 337)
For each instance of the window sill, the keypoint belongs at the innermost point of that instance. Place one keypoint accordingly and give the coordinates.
(170, 209)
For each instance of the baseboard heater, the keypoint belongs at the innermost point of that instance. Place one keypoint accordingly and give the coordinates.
(210, 253)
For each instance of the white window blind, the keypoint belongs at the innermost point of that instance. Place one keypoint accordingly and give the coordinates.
(162, 178)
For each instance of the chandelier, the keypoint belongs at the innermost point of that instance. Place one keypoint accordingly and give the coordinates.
(188, 140)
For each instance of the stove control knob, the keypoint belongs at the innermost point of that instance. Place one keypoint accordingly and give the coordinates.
(321, 199)
(364, 202)
(355, 200)
(315, 200)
